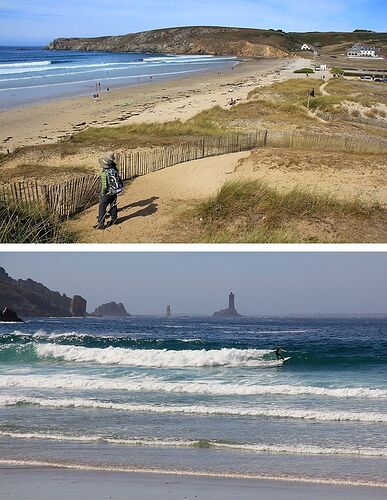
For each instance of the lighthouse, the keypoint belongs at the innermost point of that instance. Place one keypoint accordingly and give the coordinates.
(230, 312)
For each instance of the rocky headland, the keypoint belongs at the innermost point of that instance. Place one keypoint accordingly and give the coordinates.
(29, 298)
(217, 41)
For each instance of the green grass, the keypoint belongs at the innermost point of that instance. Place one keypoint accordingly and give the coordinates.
(253, 212)
(327, 103)
(32, 225)
(145, 134)
(306, 71)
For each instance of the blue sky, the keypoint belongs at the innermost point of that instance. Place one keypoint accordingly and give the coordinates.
(264, 283)
(39, 21)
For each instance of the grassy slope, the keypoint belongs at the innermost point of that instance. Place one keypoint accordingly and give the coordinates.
(253, 212)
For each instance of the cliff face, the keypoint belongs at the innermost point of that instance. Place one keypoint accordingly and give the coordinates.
(111, 309)
(29, 298)
(191, 40)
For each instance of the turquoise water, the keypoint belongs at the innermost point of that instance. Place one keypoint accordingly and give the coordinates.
(198, 394)
(29, 74)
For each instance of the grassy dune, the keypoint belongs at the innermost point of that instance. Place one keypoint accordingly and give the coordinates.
(253, 212)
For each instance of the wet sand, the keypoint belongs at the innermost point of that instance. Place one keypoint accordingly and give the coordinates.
(43, 483)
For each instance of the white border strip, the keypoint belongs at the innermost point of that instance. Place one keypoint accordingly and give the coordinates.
(204, 248)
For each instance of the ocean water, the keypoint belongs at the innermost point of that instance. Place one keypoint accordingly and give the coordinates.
(198, 395)
(29, 74)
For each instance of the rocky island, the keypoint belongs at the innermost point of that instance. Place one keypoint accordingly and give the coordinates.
(211, 40)
(8, 316)
(230, 312)
(111, 309)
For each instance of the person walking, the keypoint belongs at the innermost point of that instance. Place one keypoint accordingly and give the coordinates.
(111, 187)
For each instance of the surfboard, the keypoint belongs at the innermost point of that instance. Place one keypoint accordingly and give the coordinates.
(286, 359)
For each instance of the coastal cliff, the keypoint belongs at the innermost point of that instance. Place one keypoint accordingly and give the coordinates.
(217, 41)
(29, 298)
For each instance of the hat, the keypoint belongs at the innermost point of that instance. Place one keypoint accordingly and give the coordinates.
(107, 160)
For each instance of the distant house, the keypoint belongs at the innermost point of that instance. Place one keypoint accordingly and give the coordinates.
(305, 46)
(364, 51)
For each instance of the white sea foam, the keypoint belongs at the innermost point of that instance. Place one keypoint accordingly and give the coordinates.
(303, 449)
(330, 416)
(158, 358)
(202, 387)
(128, 77)
(52, 69)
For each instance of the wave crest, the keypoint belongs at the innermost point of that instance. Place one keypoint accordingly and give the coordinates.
(158, 358)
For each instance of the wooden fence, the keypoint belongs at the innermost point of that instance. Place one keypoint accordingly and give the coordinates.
(73, 196)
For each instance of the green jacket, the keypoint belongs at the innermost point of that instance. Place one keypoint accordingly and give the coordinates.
(104, 182)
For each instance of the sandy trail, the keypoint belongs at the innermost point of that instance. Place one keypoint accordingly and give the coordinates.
(149, 203)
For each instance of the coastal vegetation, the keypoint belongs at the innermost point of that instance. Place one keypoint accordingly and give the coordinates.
(307, 71)
(20, 224)
(251, 211)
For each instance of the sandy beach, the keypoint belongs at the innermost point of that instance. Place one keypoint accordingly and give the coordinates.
(43, 483)
(157, 102)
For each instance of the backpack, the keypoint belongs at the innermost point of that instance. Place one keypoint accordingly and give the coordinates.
(115, 183)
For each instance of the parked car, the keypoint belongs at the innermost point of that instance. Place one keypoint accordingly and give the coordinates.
(367, 78)
(378, 80)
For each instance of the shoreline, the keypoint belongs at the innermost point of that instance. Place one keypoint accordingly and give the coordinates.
(158, 101)
(113, 469)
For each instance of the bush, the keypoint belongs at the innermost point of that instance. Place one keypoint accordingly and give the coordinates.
(307, 71)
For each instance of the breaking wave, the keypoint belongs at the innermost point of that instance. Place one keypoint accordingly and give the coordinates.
(204, 443)
(329, 416)
(210, 387)
(156, 357)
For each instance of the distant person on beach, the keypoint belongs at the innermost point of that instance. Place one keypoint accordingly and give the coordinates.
(278, 354)
(111, 187)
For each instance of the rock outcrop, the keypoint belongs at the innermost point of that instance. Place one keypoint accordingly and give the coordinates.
(29, 298)
(9, 316)
(241, 42)
(111, 309)
(230, 312)
(78, 306)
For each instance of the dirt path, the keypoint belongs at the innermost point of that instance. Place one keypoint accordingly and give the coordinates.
(149, 203)
(322, 89)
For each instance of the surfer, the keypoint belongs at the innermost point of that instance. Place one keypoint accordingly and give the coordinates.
(278, 353)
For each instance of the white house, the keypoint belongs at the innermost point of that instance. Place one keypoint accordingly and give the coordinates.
(305, 46)
(364, 51)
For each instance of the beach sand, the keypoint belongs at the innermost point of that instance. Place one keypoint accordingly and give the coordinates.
(43, 483)
(157, 102)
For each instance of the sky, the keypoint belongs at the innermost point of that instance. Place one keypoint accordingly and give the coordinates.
(36, 22)
(199, 283)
